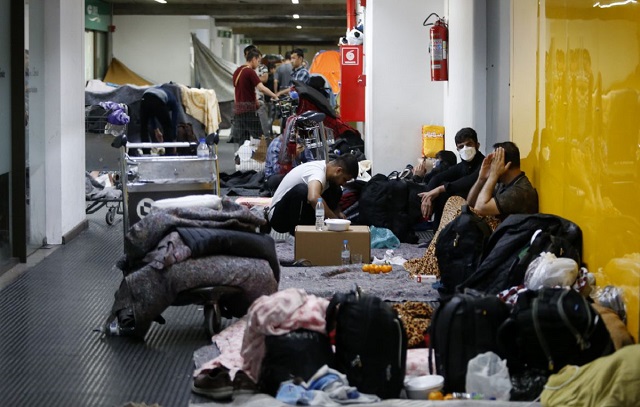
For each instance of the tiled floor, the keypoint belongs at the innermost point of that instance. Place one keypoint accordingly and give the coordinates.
(49, 352)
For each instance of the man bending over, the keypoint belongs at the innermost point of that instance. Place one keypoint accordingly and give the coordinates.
(295, 199)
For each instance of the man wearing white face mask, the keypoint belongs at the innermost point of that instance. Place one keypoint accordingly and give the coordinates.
(457, 180)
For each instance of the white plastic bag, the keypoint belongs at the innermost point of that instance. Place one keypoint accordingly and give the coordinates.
(389, 258)
(488, 375)
(547, 270)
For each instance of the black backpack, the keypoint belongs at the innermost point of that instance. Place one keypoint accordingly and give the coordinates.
(510, 249)
(551, 328)
(299, 353)
(371, 343)
(459, 248)
(463, 326)
(383, 203)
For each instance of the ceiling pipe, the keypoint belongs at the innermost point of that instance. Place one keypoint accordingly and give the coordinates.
(351, 14)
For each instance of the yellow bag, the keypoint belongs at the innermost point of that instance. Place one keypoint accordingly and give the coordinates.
(432, 140)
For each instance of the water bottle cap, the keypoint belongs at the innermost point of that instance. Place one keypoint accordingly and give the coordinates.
(202, 140)
(319, 199)
(345, 241)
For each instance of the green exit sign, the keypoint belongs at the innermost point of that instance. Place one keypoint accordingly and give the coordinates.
(246, 41)
(224, 34)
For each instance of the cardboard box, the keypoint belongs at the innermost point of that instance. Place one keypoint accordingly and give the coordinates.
(323, 248)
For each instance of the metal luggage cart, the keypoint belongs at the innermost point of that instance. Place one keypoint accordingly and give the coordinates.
(101, 157)
(152, 177)
(308, 128)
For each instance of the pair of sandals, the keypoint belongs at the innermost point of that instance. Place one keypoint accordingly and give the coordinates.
(408, 170)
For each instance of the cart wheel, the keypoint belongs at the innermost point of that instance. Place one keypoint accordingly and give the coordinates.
(110, 216)
(212, 319)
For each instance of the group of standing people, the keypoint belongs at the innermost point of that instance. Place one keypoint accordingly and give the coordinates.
(252, 84)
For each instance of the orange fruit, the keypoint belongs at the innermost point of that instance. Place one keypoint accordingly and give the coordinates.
(387, 268)
(366, 268)
(436, 395)
(449, 397)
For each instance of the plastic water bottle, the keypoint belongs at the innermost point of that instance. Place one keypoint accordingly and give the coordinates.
(203, 149)
(346, 253)
(319, 215)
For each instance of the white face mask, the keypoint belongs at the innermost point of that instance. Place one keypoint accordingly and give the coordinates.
(467, 153)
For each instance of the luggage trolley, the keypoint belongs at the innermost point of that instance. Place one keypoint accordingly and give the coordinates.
(149, 178)
(152, 177)
(99, 156)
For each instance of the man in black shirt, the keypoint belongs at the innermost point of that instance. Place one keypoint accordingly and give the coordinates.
(457, 180)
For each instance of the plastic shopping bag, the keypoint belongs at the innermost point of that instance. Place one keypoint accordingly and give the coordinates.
(383, 238)
(547, 270)
(432, 140)
(488, 375)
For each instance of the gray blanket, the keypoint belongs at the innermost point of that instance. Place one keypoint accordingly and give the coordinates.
(325, 281)
(147, 233)
(149, 291)
(157, 264)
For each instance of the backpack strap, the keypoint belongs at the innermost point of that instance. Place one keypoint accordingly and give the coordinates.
(238, 77)
(535, 306)
(332, 310)
(581, 340)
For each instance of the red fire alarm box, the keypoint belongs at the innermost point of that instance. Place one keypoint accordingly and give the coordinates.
(353, 82)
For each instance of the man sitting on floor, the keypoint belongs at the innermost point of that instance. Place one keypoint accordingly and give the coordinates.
(456, 181)
(502, 189)
(295, 199)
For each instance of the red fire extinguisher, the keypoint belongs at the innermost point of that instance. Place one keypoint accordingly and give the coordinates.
(438, 48)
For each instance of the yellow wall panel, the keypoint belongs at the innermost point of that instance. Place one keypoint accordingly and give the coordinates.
(585, 155)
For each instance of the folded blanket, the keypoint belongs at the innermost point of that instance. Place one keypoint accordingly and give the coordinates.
(203, 241)
(144, 235)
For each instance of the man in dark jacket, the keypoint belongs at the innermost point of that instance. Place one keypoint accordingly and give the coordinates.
(457, 180)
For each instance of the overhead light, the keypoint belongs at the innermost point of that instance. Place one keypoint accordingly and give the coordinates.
(296, 16)
(299, 27)
(295, 1)
(615, 3)
(162, 1)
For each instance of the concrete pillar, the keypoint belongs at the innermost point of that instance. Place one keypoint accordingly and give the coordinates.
(63, 135)
(466, 90)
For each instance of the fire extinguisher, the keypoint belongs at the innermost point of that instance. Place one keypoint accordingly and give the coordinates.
(438, 48)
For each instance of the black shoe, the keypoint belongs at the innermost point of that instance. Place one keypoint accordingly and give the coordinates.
(266, 228)
(215, 384)
(242, 384)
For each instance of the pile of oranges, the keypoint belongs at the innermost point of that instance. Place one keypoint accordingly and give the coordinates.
(376, 268)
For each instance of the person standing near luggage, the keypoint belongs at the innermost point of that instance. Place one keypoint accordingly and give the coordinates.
(295, 199)
(299, 72)
(502, 188)
(282, 77)
(159, 108)
(246, 122)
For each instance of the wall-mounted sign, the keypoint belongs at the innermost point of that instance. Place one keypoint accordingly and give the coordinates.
(97, 15)
(224, 34)
(246, 41)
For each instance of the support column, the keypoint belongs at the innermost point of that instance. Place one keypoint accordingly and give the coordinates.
(63, 135)
(465, 95)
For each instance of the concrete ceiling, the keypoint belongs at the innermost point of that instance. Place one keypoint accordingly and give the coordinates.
(264, 21)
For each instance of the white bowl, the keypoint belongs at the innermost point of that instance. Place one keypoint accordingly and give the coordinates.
(419, 387)
(337, 225)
